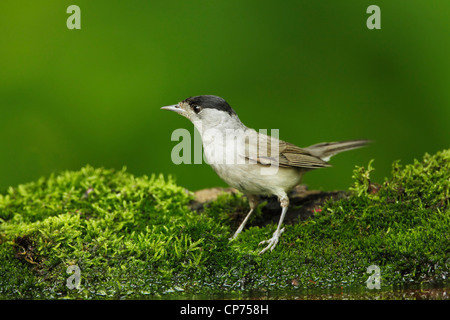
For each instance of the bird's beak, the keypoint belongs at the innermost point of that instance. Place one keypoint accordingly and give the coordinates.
(175, 108)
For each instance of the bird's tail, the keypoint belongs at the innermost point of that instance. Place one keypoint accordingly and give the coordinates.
(326, 150)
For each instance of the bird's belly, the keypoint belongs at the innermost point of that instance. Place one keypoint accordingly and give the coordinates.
(248, 177)
(252, 179)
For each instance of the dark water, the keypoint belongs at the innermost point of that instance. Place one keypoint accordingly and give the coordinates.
(436, 291)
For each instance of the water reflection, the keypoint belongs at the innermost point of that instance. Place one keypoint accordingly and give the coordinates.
(422, 291)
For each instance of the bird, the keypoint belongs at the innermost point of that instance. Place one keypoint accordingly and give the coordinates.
(253, 162)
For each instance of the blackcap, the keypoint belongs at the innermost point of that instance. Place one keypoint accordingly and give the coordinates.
(250, 161)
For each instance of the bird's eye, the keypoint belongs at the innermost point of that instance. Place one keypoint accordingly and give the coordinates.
(196, 109)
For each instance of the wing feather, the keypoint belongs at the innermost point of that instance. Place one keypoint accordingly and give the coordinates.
(271, 151)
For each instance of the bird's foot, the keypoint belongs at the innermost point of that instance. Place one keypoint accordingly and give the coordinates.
(272, 242)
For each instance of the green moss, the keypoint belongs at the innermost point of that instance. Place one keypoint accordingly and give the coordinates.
(136, 237)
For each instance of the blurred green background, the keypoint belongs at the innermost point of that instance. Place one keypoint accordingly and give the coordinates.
(309, 68)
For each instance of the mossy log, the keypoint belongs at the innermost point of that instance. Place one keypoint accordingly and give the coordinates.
(134, 237)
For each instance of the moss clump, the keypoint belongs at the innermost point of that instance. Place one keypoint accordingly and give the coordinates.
(127, 235)
(136, 237)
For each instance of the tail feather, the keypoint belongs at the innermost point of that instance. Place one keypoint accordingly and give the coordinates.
(326, 150)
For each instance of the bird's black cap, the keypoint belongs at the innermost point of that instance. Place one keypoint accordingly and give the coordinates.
(210, 101)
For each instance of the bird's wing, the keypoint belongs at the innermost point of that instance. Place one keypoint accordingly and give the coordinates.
(298, 157)
(267, 150)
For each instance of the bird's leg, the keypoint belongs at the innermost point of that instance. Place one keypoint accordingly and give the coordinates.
(272, 242)
(253, 202)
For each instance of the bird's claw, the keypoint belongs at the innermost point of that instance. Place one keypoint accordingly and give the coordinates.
(272, 242)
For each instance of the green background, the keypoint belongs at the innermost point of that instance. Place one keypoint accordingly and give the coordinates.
(311, 69)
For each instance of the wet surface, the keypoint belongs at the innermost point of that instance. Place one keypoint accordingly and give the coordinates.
(414, 292)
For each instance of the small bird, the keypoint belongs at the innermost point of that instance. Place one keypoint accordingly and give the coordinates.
(251, 161)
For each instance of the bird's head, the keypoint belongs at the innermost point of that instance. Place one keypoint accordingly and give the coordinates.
(208, 110)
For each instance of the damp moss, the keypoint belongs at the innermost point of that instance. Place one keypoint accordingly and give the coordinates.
(136, 237)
